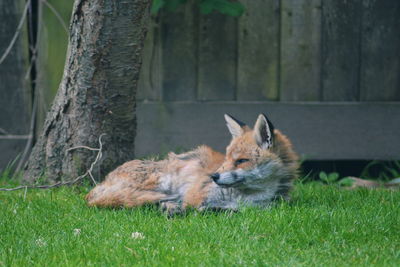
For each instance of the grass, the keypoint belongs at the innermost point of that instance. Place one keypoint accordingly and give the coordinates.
(322, 225)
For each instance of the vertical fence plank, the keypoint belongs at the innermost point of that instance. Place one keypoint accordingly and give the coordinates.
(149, 86)
(14, 88)
(300, 50)
(217, 57)
(380, 66)
(258, 51)
(340, 49)
(179, 53)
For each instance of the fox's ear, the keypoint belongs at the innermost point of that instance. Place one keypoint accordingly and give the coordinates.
(236, 127)
(263, 132)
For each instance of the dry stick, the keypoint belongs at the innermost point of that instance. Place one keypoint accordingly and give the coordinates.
(77, 179)
(85, 147)
(21, 23)
(98, 157)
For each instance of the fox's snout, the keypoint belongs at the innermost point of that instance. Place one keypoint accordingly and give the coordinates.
(215, 176)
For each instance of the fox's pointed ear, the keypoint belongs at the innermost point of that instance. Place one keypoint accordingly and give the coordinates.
(263, 132)
(236, 127)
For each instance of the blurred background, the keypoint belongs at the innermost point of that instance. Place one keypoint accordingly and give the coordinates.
(327, 73)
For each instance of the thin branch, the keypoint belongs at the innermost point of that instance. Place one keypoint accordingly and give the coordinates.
(44, 186)
(14, 39)
(98, 157)
(77, 179)
(57, 14)
(85, 147)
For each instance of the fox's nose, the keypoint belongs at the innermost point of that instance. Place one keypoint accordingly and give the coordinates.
(215, 176)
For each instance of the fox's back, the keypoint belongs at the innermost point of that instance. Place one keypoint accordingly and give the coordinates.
(140, 181)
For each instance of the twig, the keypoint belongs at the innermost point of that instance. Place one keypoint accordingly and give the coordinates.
(57, 14)
(98, 157)
(21, 23)
(77, 179)
(85, 147)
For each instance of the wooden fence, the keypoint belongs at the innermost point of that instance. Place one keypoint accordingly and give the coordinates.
(326, 72)
(323, 70)
(14, 96)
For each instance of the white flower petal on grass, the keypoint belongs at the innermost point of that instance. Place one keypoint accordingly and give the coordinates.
(77, 232)
(40, 242)
(15, 211)
(137, 235)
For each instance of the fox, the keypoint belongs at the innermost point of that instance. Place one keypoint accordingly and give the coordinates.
(259, 167)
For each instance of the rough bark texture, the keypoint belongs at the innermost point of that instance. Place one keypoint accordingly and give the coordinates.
(97, 92)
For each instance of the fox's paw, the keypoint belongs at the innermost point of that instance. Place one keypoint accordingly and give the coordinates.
(220, 206)
(171, 208)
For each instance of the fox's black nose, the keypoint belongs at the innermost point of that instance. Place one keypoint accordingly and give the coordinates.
(215, 176)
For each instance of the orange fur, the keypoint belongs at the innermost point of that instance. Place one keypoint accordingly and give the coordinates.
(138, 182)
(258, 167)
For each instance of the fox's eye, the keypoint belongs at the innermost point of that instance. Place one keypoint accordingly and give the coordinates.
(240, 161)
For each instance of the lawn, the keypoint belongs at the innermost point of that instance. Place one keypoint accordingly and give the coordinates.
(321, 226)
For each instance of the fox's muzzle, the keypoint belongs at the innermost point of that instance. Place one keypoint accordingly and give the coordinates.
(227, 179)
(215, 176)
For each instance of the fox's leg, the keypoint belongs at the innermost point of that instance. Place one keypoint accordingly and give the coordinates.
(171, 208)
(197, 192)
(220, 206)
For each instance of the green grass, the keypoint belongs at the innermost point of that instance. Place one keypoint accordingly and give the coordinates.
(321, 226)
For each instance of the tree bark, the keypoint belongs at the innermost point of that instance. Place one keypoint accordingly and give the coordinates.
(97, 93)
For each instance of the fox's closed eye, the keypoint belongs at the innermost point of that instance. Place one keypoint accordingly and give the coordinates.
(240, 161)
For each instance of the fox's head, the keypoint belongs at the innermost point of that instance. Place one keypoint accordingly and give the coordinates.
(250, 161)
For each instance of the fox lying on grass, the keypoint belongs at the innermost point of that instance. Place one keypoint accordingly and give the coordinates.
(258, 168)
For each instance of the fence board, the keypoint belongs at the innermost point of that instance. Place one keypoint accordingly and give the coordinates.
(341, 21)
(186, 125)
(217, 57)
(179, 37)
(380, 66)
(258, 51)
(300, 50)
(149, 86)
(14, 88)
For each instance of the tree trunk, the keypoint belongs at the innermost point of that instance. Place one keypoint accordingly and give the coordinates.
(97, 93)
